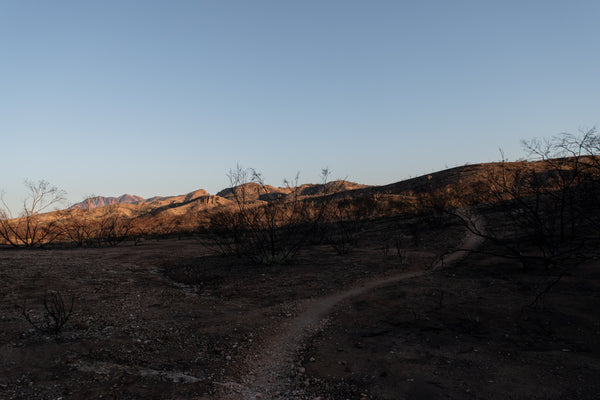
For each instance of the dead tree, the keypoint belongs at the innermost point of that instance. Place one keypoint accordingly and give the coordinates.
(548, 206)
(28, 228)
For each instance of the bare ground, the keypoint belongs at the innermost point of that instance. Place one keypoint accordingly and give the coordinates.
(170, 320)
(266, 369)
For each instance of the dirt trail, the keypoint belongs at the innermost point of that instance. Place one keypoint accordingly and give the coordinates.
(266, 371)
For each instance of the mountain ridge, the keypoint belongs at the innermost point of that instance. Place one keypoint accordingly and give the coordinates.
(102, 201)
(253, 190)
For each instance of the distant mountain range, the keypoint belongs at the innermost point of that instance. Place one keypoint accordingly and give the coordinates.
(201, 196)
(101, 201)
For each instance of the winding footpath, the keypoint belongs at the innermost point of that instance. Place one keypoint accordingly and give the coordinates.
(266, 370)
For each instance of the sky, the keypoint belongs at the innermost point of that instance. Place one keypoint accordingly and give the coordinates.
(165, 97)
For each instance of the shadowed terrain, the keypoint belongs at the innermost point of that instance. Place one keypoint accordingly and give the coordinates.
(431, 288)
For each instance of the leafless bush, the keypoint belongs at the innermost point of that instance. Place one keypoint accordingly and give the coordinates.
(226, 229)
(55, 315)
(400, 252)
(113, 227)
(77, 224)
(76, 227)
(432, 206)
(347, 222)
(267, 226)
(28, 228)
(551, 203)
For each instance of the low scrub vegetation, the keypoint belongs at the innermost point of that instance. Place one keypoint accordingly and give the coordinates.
(54, 316)
(550, 202)
(28, 228)
(271, 230)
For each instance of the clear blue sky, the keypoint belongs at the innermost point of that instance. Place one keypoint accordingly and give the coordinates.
(164, 97)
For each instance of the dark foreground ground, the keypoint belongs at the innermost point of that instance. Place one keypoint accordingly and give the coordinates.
(173, 320)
